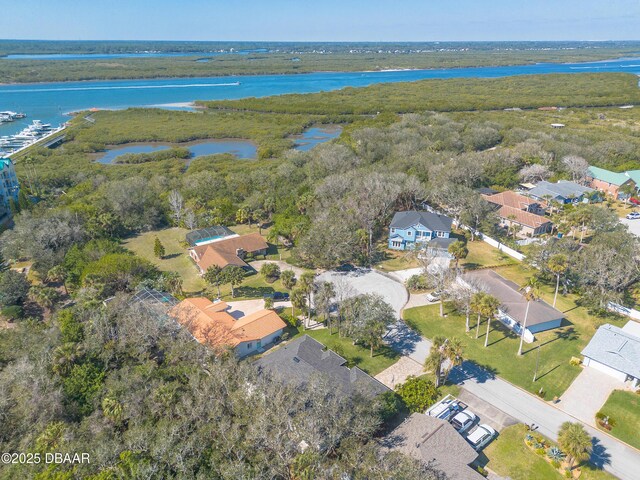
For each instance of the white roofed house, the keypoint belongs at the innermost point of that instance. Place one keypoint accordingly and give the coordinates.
(616, 352)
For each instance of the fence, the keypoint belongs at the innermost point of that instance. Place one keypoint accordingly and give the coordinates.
(502, 247)
(622, 310)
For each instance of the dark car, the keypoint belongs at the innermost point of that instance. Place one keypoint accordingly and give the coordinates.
(346, 267)
(278, 296)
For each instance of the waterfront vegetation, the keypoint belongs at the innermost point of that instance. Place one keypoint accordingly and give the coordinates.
(623, 407)
(284, 58)
(509, 457)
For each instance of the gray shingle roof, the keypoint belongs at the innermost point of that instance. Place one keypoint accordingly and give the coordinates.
(432, 221)
(616, 348)
(562, 189)
(430, 439)
(304, 357)
(511, 299)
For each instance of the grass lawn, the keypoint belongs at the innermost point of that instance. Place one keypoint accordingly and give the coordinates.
(624, 407)
(555, 373)
(509, 457)
(396, 260)
(355, 355)
(481, 254)
(176, 258)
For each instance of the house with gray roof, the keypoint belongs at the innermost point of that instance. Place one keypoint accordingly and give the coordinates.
(434, 441)
(563, 191)
(305, 357)
(616, 352)
(418, 229)
(513, 306)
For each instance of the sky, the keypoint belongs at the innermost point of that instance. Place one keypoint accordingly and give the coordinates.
(324, 20)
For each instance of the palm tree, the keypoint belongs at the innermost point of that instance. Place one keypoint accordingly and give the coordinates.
(575, 442)
(459, 251)
(436, 354)
(288, 278)
(323, 299)
(476, 307)
(444, 355)
(58, 274)
(306, 284)
(531, 293)
(64, 357)
(43, 296)
(558, 264)
(490, 310)
(298, 300)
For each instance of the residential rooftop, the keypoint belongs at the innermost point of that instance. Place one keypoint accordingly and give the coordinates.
(616, 348)
(613, 178)
(432, 221)
(225, 252)
(561, 189)
(522, 217)
(512, 199)
(304, 357)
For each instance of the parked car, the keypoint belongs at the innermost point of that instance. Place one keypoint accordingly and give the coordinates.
(278, 296)
(346, 267)
(480, 436)
(434, 296)
(462, 421)
(633, 215)
(634, 200)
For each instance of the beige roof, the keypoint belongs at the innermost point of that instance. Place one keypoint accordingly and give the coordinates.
(224, 252)
(527, 219)
(211, 325)
(512, 199)
(430, 439)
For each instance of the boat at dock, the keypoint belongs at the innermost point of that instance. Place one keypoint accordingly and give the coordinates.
(9, 116)
(33, 133)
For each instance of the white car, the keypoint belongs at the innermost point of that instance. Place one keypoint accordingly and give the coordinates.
(463, 420)
(633, 215)
(434, 296)
(480, 436)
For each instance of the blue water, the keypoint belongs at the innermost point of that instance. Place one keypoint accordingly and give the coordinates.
(239, 148)
(50, 101)
(314, 136)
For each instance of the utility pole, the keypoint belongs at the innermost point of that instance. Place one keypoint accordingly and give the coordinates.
(535, 375)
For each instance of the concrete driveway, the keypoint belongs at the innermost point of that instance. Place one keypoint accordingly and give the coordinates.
(350, 284)
(634, 225)
(588, 392)
(399, 372)
(486, 412)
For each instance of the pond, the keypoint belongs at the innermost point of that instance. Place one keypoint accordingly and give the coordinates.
(316, 135)
(239, 148)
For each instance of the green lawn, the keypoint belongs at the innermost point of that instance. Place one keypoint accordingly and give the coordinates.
(555, 373)
(481, 254)
(394, 261)
(355, 355)
(624, 408)
(509, 456)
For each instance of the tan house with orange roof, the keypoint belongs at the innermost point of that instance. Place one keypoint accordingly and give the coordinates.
(212, 325)
(515, 209)
(228, 251)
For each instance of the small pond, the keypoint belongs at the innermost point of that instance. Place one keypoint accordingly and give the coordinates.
(239, 148)
(316, 135)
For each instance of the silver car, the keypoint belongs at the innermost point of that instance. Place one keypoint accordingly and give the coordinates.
(480, 436)
(463, 420)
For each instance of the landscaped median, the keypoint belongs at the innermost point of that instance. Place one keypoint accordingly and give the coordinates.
(622, 411)
(509, 455)
(555, 373)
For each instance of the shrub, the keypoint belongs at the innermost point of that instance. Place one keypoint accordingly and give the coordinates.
(575, 361)
(12, 313)
(417, 393)
(270, 271)
(482, 471)
(540, 451)
(555, 464)
(391, 404)
(417, 282)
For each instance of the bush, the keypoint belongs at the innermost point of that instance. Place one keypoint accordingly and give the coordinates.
(575, 361)
(555, 464)
(417, 393)
(14, 288)
(482, 471)
(417, 282)
(12, 313)
(289, 319)
(391, 404)
(270, 271)
(540, 451)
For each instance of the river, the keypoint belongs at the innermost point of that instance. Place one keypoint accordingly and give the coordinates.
(50, 102)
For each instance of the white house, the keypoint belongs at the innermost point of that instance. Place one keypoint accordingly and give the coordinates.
(616, 352)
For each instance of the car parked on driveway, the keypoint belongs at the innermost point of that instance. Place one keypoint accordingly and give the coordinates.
(278, 296)
(462, 421)
(434, 296)
(633, 215)
(480, 436)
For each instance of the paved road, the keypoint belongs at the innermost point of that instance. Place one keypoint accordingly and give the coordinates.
(615, 457)
(634, 226)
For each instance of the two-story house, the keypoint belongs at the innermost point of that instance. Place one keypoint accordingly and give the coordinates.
(417, 229)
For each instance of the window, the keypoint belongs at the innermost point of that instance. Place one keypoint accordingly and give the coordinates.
(249, 345)
(396, 244)
(441, 234)
(393, 230)
(408, 233)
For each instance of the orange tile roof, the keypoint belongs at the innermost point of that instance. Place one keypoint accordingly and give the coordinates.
(224, 252)
(512, 199)
(527, 219)
(216, 328)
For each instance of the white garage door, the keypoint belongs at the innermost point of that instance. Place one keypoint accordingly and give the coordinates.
(605, 369)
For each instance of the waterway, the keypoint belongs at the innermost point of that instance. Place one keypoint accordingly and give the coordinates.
(50, 102)
(239, 148)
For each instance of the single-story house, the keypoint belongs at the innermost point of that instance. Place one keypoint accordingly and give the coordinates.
(413, 229)
(615, 351)
(434, 441)
(530, 224)
(212, 325)
(609, 182)
(208, 235)
(304, 357)
(513, 306)
(563, 192)
(515, 200)
(228, 251)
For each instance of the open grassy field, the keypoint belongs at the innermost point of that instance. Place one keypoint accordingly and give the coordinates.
(510, 457)
(481, 254)
(394, 260)
(624, 407)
